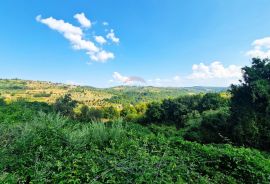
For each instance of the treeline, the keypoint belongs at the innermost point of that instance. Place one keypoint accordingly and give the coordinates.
(68, 107)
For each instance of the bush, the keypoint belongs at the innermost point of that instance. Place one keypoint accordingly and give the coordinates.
(65, 105)
(84, 114)
(213, 128)
(110, 113)
(22, 111)
(128, 109)
(96, 114)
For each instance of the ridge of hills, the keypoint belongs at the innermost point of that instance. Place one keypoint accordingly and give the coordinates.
(43, 91)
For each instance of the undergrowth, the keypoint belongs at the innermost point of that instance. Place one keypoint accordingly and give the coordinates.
(53, 149)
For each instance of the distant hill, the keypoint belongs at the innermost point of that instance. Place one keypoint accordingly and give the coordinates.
(12, 89)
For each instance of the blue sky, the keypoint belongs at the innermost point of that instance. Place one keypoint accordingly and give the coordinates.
(161, 42)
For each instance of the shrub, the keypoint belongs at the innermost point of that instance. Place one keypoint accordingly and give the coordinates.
(65, 105)
(213, 127)
(84, 114)
(128, 109)
(110, 113)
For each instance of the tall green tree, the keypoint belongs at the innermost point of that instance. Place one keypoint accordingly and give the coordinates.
(250, 106)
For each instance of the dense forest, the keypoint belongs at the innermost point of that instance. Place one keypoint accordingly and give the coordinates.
(55, 133)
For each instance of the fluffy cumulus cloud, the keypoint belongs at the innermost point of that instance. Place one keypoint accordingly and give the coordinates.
(215, 70)
(101, 56)
(100, 39)
(126, 80)
(112, 37)
(85, 22)
(261, 48)
(75, 36)
(214, 74)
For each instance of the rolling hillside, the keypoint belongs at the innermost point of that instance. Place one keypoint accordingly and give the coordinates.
(42, 91)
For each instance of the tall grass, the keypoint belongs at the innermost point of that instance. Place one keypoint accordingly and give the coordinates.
(97, 133)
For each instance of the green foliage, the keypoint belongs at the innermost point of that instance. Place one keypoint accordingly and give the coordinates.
(110, 113)
(96, 114)
(212, 128)
(53, 149)
(154, 112)
(2, 102)
(212, 101)
(65, 105)
(128, 109)
(250, 106)
(21, 111)
(141, 108)
(84, 114)
(127, 95)
(87, 114)
(176, 111)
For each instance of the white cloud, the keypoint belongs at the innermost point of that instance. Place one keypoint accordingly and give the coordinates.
(111, 36)
(101, 56)
(76, 37)
(105, 23)
(79, 43)
(118, 77)
(81, 18)
(100, 39)
(215, 70)
(176, 78)
(264, 42)
(261, 48)
(60, 25)
(214, 74)
(127, 80)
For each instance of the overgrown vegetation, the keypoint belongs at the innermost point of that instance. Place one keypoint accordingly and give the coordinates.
(53, 149)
